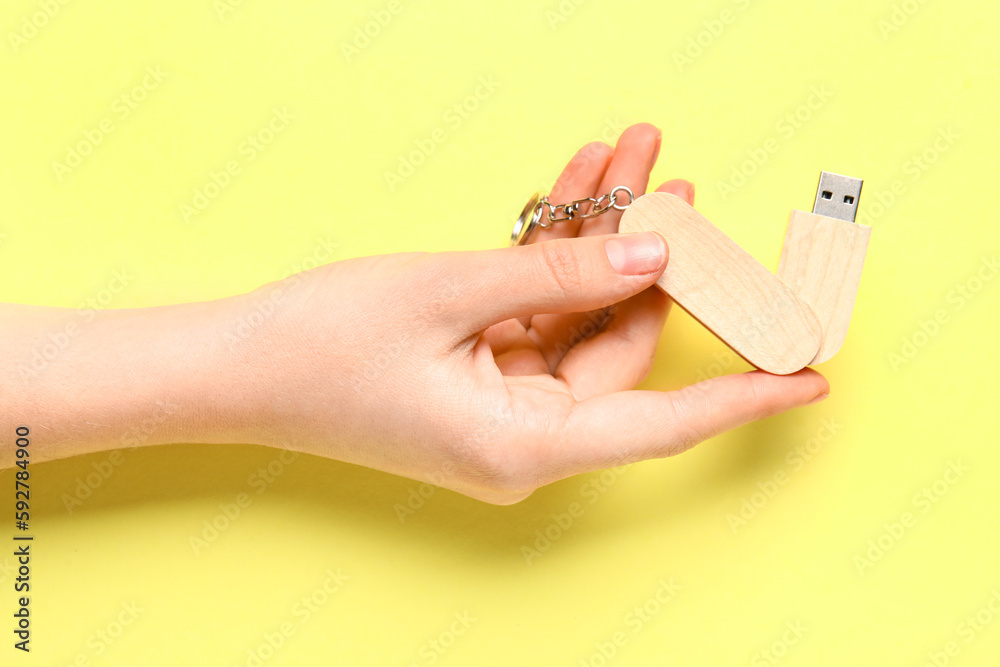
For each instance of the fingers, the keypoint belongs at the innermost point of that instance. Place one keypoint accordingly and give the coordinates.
(578, 180)
(514, 352)
(628, 426)
(621, 355)
(556, 335)
(634, 156)
(558, 276)
(681, 188)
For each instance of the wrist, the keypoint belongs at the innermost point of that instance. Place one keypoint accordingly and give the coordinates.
(125, 378)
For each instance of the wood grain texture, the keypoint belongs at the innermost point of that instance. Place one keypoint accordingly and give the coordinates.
(821, 262)
(726, 289)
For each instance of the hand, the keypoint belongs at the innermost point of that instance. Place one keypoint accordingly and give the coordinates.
(495, 372)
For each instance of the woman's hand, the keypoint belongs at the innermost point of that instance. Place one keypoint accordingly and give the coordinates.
(493, 372)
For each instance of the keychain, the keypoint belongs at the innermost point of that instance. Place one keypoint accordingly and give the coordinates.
(531, 217)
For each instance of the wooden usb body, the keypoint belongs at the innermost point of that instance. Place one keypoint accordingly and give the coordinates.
(781, 323)
(821, 262)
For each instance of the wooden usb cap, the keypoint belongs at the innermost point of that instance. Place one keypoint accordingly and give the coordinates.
(726, 289)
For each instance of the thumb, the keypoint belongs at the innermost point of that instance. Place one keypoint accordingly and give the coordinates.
(559, 276)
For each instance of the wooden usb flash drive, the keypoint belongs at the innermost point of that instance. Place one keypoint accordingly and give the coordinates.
(823, 255)
(781, 323)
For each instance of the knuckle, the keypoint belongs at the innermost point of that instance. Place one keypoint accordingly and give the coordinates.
(752, 399)
(562, 266)
(685, 433)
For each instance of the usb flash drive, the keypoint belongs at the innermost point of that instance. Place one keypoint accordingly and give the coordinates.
(823, 255)
(722, 286)
(781, 323)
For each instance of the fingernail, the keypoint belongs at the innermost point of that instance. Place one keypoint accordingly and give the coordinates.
(636, 254)
(690, 194)
(821, 397)
(656, 150)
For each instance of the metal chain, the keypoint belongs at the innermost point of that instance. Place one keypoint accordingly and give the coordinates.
(597, 205)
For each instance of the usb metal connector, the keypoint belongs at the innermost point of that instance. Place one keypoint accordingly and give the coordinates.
(837, 196)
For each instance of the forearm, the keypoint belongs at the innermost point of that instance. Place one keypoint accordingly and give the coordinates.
(86, 381)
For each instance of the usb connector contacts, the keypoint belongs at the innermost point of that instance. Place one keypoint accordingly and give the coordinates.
(838, 196)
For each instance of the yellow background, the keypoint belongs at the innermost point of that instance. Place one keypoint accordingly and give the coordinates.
(566, 74)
